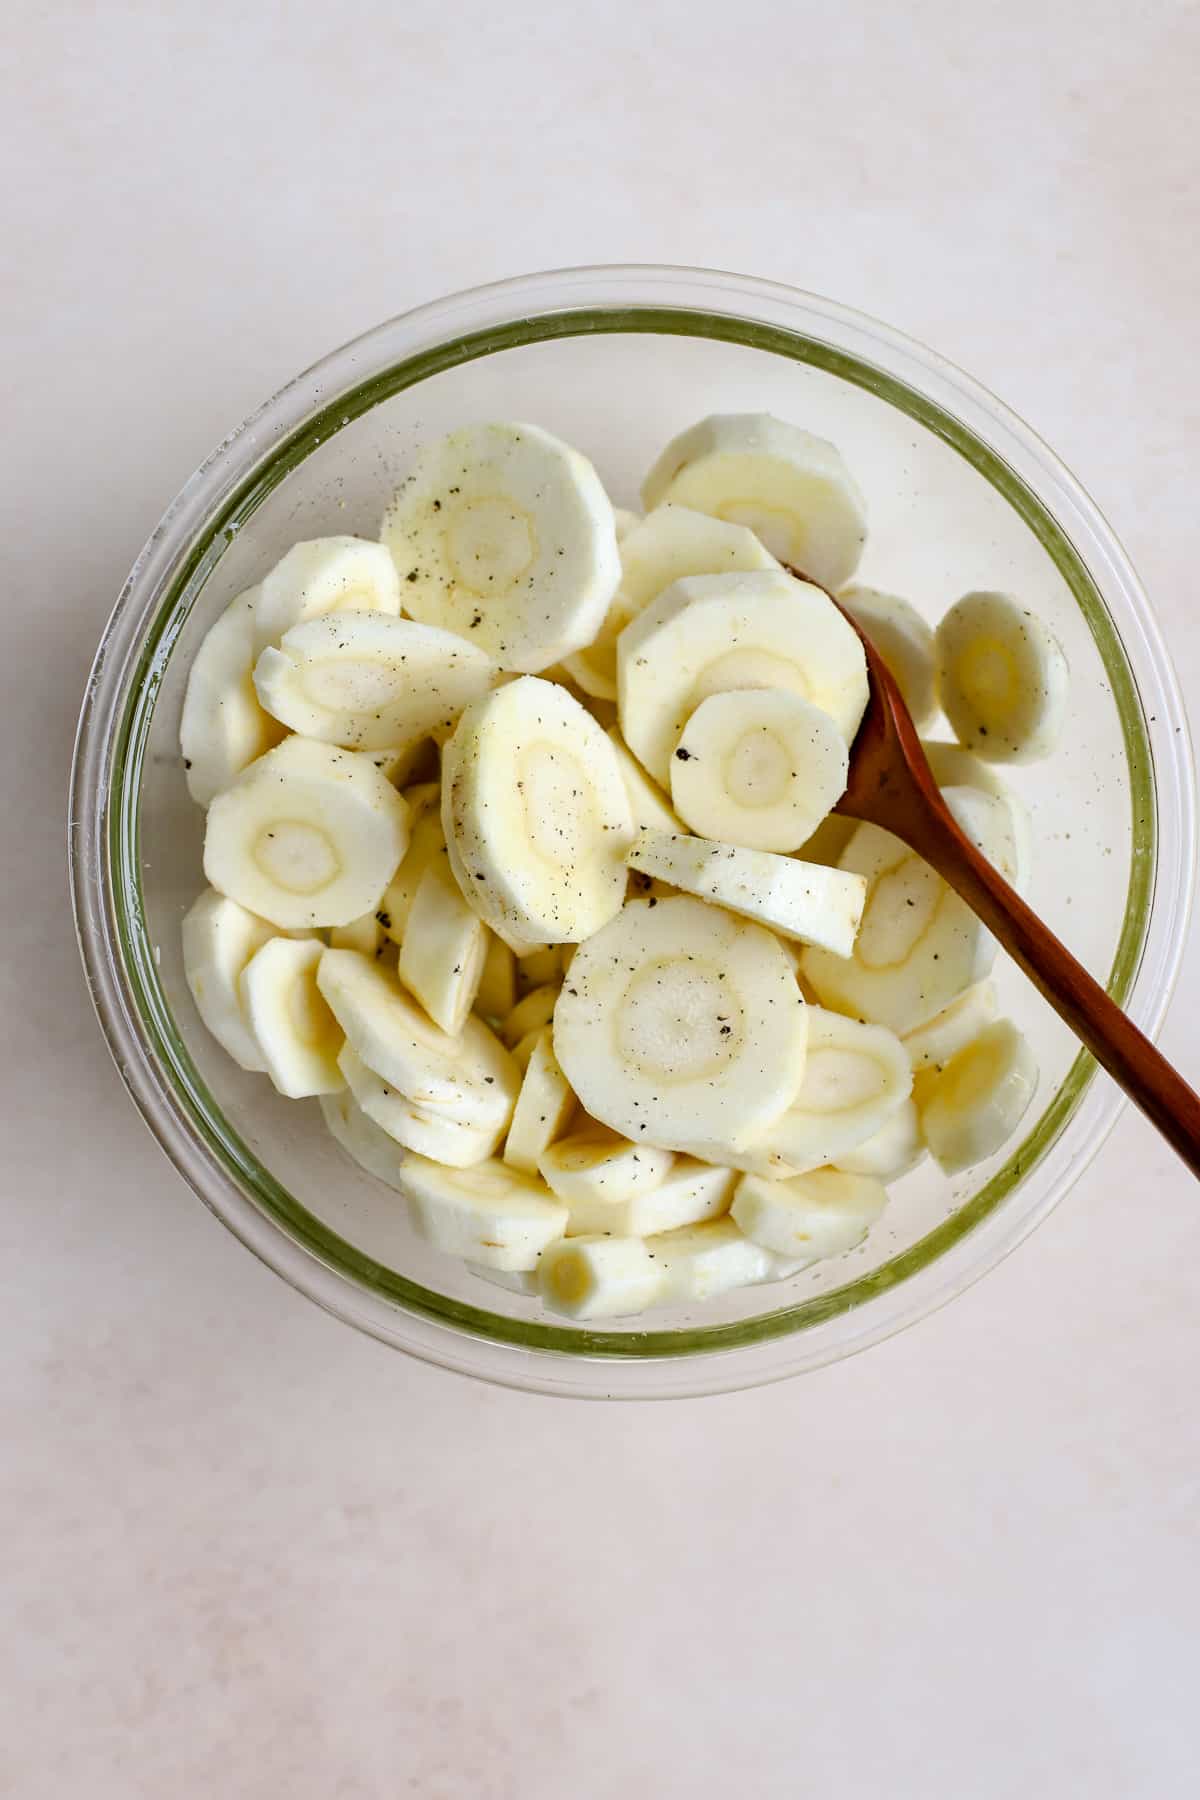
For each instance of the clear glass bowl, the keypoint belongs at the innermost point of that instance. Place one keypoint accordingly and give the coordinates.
(616, 360)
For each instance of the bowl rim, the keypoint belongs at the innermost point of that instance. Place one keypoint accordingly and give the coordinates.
(121, 692)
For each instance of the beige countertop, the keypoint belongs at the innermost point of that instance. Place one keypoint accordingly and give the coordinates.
(250, 1554)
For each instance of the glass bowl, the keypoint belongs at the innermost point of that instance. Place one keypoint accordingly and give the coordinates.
(616, 360)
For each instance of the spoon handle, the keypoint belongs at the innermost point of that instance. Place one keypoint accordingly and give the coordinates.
(1116, 1043)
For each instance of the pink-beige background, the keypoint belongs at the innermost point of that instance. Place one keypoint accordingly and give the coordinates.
(249, 1554)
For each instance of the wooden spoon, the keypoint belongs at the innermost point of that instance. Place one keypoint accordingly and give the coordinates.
(891, 784)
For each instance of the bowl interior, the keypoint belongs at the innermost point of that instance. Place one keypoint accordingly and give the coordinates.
(947, 515)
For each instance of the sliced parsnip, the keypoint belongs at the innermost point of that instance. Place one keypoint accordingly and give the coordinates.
(954, 767)
(972, 1107)
(519, 944)
(598, 1277)
(594, 1167)
(443, 949)
(816, 1215)
(681, 1026)
(791, 949)
(490, 1214)
(624, 520)
(758, 767)
(540, 968)
(932, 1045)
(1002, 678)
(471, 1077)
(667, 544)
(855, 1078)
(918, 944)
(710, 633)
(990, 823)
(296, 1033)
(647, 802)
(523, 1049)
(649, 887)
(792, 489)
(406, 764)
(543, 1110)
(370, 1147)
(497, 992)
(804, 901)
(426, 849)
(222, 727)
(756, 1159)
(306, 836)
(365, 933)
(904, 640)
(323, 575)
(604, 712)
(674, 541)
(657, 551)
(530, 1014)
(427, 1132)
(594, 668)
(504, 534)
(533, 801)
(699, 1262)
(688, 1194)
(369, 680)
(219, 938)
(892, 1151)
(828, 840)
